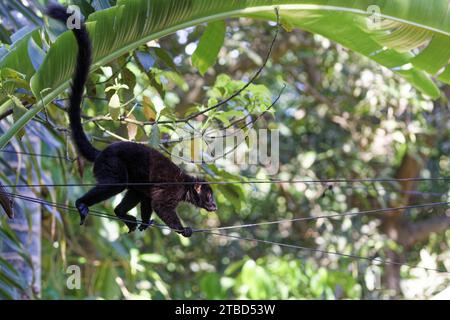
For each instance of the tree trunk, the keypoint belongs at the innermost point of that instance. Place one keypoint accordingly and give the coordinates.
(395, 225)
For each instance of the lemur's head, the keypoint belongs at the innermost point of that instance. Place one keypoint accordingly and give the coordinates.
(203, 195)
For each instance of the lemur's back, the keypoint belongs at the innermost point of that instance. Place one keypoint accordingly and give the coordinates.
(143, 164)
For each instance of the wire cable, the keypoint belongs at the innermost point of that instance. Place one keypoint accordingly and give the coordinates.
(345, 214)
(359, 213)
(208, 231)
(344, 255)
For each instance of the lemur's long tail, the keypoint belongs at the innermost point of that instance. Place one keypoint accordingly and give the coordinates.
(84, 58)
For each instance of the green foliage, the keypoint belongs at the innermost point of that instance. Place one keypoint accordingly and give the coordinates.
(136, 22)
(12, 282)
(11, 22)
(353, 120)
(279, 278)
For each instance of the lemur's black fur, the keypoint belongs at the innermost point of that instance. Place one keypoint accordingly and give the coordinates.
(127, 162)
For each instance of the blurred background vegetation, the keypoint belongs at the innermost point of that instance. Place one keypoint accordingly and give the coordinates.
(341, 116)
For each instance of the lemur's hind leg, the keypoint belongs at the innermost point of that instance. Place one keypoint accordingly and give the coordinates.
(129, 201)
(146, 213)
(95, 195)
(112, 177)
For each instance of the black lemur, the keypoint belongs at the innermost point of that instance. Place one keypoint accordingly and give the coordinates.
(123, 163)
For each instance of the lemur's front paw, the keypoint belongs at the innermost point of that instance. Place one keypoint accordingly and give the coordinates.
(83, 210)
(187, 232)
(145, 225)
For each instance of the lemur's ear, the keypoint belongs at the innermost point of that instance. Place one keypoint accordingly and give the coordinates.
(198, 188)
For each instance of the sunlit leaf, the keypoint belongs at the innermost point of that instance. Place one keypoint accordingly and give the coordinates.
(155, 138)
(114, 106)
(149, 109)
(36, 54)
(208, 48)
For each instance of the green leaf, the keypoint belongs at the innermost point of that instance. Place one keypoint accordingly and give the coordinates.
(100, 4)
(420, 80)
(164, 56)
(233, 194)
(10, 80)
(36, 54)
(307, 159)
(211, 286)
(26, 11)
(257, 280)
(17, 57)
(209, 46)
(18, 111)
(114, 106)
(105, 283)
(4, 35)
(155, 136)
(153, 258)
(11, 280)
(435, 56)
(445, 75)
(6, 292)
